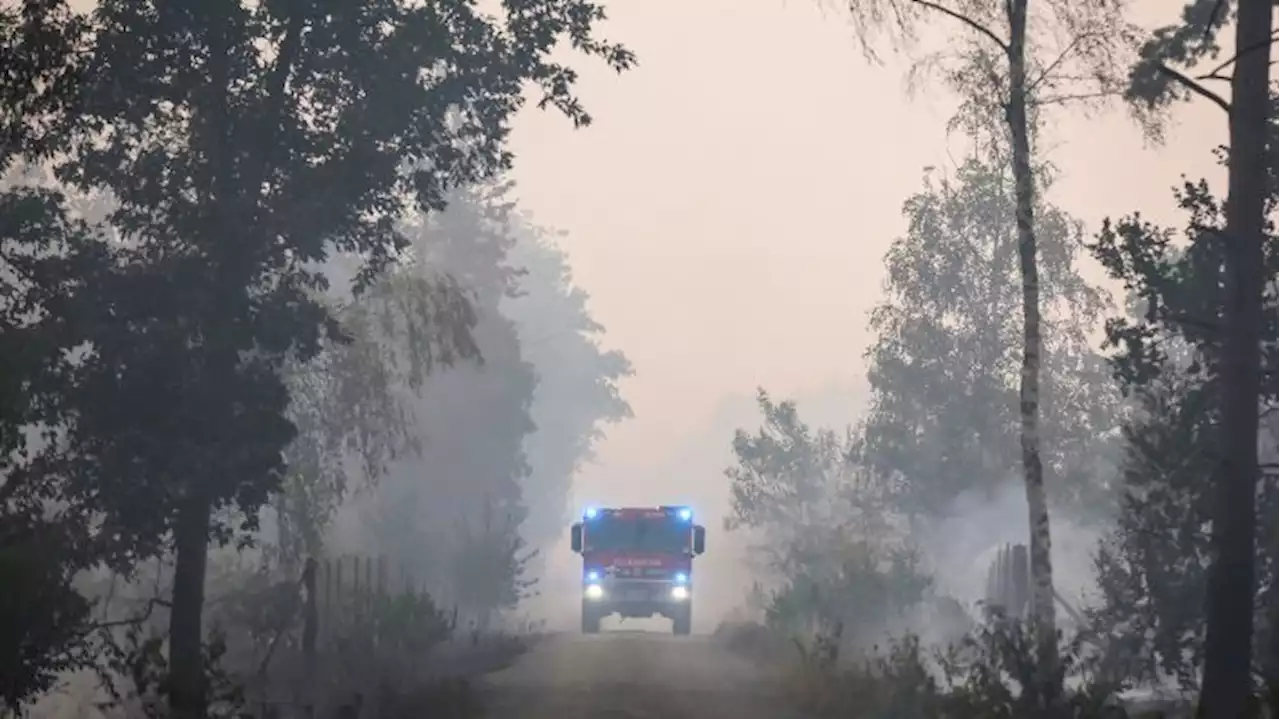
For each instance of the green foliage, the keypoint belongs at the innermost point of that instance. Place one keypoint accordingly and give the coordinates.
(140, 657)
(872, 590)
(788, 480)
(828, 536)
(318, 167)
(351, 400)
(1153, 87)
(243, 144)
(1151, 567)
(490, 565)
(45, 258)
(945, 363)
(991, 673)
(450, 509)
(408, 622)
(1166, 354)
(577, 392)
(44, 622)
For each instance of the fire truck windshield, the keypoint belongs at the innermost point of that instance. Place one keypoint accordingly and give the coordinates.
(617, 534)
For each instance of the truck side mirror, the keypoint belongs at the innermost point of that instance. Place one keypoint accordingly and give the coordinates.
(699, 539)
(575, 537)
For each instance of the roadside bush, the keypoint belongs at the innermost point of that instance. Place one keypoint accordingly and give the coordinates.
(990, 674)
(869, 589)
(752, 640)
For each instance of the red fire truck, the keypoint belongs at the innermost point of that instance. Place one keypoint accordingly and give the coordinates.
(638, 562)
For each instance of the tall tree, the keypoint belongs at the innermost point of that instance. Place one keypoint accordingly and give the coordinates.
(944, 367)
(1167, 74)
(461, 496)
(244, 142)
(1171, 354)
(1168, 358)
(350, 403)
(578, 380)
(1014, 62)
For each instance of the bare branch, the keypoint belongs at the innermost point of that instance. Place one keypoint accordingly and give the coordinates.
(1194, 87)
(1207, 326)
(973, 24)
(1057, 61)
(1062, 99)
(1216, 73)
(134, 620)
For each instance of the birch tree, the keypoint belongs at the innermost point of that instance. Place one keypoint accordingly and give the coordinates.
(944, 367)
(1011, 63)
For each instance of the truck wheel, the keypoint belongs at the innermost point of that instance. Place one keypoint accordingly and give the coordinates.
(682, 622)
(590, 619)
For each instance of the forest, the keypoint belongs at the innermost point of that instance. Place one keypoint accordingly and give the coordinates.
(293, 388)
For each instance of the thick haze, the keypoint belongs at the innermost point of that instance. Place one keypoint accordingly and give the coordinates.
(322, 334)
(729, 209)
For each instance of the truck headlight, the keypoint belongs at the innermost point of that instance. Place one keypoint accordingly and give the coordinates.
(594, 591)
(679, 593)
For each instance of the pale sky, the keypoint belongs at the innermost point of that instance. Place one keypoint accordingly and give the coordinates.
(730, 206)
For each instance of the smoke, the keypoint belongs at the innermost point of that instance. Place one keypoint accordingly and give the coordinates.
(960, 548)
(957, 550)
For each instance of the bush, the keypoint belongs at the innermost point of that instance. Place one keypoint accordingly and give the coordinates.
(752, 640)
(990, 674)
(869, 589)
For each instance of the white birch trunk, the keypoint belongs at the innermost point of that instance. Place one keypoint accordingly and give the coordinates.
(1043, 611)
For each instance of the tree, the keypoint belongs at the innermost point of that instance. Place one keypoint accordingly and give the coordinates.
(827, 528)
(578, 381)
(1152, 568)
(1171, 354)
(1158, 81)
(490, 566)
(349, 402)
(943, 368)
(443, 509)
(1014, 63)
(244, 142)
(45, 625)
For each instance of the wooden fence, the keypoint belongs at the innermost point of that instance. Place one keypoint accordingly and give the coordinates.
(1009, 581)
(355, 593)
(357, 618)
(1009, 585)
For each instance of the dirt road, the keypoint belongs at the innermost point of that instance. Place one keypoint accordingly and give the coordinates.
(632, 675)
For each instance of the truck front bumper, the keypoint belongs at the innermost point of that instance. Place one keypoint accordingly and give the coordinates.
(635, 597)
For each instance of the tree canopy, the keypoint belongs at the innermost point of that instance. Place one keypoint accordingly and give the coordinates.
(944, 365)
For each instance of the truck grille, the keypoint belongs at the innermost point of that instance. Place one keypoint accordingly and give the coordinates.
(639, 590)
(642, 572)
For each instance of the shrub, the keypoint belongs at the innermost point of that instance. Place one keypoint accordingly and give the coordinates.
(990, 674)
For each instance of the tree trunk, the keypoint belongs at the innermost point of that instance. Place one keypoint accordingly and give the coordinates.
(1042, 607)
(187, 698)
(1271, 656)
(1228, 642)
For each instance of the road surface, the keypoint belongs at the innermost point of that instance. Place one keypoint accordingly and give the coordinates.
(632, 675)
